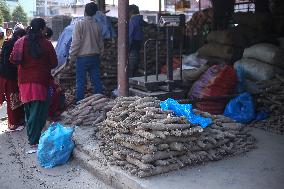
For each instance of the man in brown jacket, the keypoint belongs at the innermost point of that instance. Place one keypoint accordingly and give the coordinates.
(86, 47)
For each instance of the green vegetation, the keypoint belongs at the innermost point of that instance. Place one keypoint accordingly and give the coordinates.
(19, 15)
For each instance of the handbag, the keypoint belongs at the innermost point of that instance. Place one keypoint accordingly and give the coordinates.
(15, 101)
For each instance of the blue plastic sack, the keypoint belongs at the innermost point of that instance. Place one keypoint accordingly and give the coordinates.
(241, 108)
(186, 111)
(55, 146)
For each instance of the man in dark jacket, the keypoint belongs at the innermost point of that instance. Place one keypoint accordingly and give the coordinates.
(135, 39)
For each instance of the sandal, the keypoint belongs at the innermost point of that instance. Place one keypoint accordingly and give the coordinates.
(19, 128)
(33, 149)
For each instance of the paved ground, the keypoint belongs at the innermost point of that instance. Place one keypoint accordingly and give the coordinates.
(3, 110)
(21, 170)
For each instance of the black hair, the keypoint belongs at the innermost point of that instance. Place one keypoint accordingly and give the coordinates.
(34, 34)
(48, 33)
(18, 33)
(134, 9)
(91, 9)
(8, 45)
(28, 28)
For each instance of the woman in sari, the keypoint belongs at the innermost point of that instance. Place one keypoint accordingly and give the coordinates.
(9, 90)
(35, 57)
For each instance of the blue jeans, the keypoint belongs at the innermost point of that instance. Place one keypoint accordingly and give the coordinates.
(90, 64)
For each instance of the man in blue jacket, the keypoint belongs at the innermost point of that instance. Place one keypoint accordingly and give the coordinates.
(135, 39)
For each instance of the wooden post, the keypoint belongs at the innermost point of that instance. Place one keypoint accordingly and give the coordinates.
(122, 70)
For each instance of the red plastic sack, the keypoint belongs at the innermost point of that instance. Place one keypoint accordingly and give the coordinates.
(218, 80)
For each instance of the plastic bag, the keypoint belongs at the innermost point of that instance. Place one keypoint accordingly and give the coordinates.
(185, 110)
(241, 108)
(218, 80)
(192, 61)
(55, 146)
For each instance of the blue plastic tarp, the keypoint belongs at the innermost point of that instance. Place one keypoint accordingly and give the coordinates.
(63, 45)
(185, 110)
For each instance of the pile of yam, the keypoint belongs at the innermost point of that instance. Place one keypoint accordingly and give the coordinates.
(108, 72)
(88, 112)
(271, 100)
(108, 66)
(144, 140)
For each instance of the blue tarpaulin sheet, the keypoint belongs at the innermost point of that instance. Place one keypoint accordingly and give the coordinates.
(185, 110)
(63, 45)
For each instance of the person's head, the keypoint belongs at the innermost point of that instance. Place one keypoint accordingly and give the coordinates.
(133, 10)
(18, 33)
(48, 33)
(91, 9)
(18, 25)
(35, 33)
(37, 25)
(9, 32)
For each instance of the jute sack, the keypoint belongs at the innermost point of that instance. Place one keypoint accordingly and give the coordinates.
(216, 50)
(267, 53)
(255, 70)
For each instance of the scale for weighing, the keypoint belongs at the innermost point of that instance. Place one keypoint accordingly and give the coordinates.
(161, 85)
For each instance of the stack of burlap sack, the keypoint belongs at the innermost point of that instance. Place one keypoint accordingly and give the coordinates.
(262, 66)
(261, 62)
(228, 45)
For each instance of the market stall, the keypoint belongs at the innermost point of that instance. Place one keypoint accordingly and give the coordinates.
(238, 56)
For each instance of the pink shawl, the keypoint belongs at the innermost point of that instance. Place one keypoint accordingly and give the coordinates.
(17, 54)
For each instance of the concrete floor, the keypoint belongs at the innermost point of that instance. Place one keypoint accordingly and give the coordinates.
(3, 112)
(261, 168)
(19, 170)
